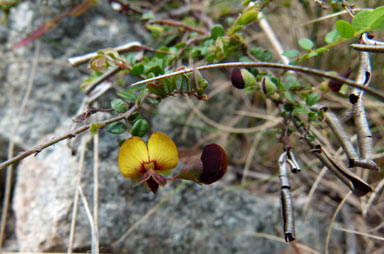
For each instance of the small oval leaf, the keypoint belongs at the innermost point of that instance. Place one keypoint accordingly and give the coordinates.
(128, 95)
(119, 105)
(305, 43)
(116, 128)
(217, 31)
(139, 128)
(345, 29)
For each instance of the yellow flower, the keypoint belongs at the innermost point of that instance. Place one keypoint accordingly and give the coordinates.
(141, 163)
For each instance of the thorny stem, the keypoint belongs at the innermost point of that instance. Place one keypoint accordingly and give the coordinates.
(71, 134)
(302, 69)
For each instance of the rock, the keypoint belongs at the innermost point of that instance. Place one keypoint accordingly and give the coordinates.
(196, 219)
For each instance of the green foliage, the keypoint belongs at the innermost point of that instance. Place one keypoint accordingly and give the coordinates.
(217, 31)
(119, 105)
(139, 128)
(376, 19)
(345, 29)
(306, 44)
(360, 21)
(332, 36)
(128, 95)
(116, 128)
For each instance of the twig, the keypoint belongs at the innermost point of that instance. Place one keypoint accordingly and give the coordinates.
(302, 69)
(106, 75)
(95, 234)
(286, 201)
(11, 145)
(175, 23)
(79, 60)
(71, 134)
(333, 221)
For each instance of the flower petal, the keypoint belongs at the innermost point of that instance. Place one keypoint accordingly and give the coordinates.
(215, 164)
(131, 156)
(162, 151)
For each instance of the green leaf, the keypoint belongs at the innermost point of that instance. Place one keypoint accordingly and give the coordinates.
(305, 43)
(155, 69)
(157, 89)
(217, 31)
(292, 83)
(376, 19)
(300, 110)
(249, 90)
(312, 99)
(139, 128)
(128, 95)
(332, 36)
(312, 116)
(360, 21)
(345, 29)
(116, 128)
(291, 53)
(160, 54)
(289, 96)
(134, 117)
(119, 105)
(137, 69)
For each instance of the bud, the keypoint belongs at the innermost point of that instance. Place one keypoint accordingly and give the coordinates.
(242, 78)
(210, 168)
(335, 85)
(268, 87)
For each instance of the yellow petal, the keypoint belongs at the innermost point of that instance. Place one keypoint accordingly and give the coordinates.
(162, 151)
(131, 156)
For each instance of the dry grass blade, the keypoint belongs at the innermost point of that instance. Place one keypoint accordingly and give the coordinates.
(333, 221)
(95, 233)
(360, 233)
(230, 129)
(76, 195)
(8, 181)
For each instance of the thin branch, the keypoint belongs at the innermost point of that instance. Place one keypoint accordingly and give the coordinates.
(79, 60)
(175, 23)
(302, 69)
(11, 146)
(71, 134)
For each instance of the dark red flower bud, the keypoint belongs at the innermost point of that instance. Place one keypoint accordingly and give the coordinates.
(211, 167)
(237, 79)
(215, 164)
(335, 85)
